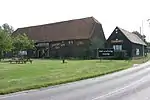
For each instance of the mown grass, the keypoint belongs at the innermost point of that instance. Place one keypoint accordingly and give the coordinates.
(43, 73)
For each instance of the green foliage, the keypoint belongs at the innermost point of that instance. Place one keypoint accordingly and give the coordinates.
(22, 42)
(148, 44)
(5, 38)
(120, 55)
(7, 28)
(96, 43)
(9, 42)
(5, 42)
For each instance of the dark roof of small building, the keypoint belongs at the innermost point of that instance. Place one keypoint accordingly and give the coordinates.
(132, 37)
(66, 30)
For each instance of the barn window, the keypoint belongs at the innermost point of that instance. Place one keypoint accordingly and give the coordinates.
(116, 31)
(137, 52)
(80, 43)
(62, 45)
(117, 47)
(70, 42)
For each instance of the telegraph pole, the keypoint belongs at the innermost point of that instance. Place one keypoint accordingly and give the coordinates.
(142, 33)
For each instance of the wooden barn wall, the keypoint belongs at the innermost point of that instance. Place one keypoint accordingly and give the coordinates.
(98, 39)
(140, 47)
(126, 44)
(72, 48)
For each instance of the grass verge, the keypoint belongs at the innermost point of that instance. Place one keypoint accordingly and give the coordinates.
(43, 73)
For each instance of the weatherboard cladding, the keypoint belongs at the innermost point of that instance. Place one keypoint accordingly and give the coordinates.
(66, 30)
(132, 37)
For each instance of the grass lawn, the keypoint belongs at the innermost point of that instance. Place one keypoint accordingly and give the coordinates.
(42, 73)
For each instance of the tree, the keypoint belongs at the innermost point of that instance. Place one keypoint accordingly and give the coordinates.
(148, 44)
(5, 42)
(7, 28)
(22, 42)
(143, 37)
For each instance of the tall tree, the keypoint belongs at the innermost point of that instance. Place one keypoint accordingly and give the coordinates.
(7, 28)
(5, 42)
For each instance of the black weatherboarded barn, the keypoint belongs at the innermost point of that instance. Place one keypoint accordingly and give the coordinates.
(73, 38)
(130, 43)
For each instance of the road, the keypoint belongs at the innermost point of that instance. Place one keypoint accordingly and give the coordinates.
(130, 84)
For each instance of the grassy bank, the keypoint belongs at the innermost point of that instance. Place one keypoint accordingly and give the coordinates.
(42, 73)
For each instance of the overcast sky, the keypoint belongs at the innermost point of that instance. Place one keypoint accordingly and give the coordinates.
(127, 14)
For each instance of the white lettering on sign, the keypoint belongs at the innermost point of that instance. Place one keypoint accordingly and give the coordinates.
(106, 54)
(42, 44)
(105, 51)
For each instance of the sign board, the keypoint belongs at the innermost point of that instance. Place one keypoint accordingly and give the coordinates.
(116, 41)
(42, 45)
(107, 52)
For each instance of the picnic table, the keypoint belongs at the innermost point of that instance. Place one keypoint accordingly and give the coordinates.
(20, 60)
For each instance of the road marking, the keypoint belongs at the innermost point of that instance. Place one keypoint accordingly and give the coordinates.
(1, 98)
(121, 89)
(48, 98)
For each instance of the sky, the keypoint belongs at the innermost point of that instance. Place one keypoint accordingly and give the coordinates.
(127, 14)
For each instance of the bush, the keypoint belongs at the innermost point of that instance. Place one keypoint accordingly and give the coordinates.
(120, 54)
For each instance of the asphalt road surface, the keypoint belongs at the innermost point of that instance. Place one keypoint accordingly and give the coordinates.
(130, 84)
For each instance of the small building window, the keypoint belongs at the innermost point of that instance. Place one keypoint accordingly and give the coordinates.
(116, 31)
(117, 47)
(137, 52)
(80, 43)
(62, 45)
(70, 42)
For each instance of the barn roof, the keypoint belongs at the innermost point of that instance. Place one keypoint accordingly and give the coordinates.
(132, 37)
(66, 30)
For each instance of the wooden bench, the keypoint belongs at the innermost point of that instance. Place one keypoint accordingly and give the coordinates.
(28, 60)
(14, 60)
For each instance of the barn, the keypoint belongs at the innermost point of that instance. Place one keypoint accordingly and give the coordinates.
(129, 43)
(72, 38)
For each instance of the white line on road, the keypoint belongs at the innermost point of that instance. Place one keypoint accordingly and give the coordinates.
(142, 80)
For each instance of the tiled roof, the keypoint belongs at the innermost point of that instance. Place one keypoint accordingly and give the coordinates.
(66, 30)
(132, 37)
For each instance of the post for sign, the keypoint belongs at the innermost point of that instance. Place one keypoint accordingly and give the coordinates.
(98, 54)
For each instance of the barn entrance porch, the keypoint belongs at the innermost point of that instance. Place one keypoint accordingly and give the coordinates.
(42, 50)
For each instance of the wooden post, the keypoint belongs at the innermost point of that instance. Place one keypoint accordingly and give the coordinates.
(63, 60)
